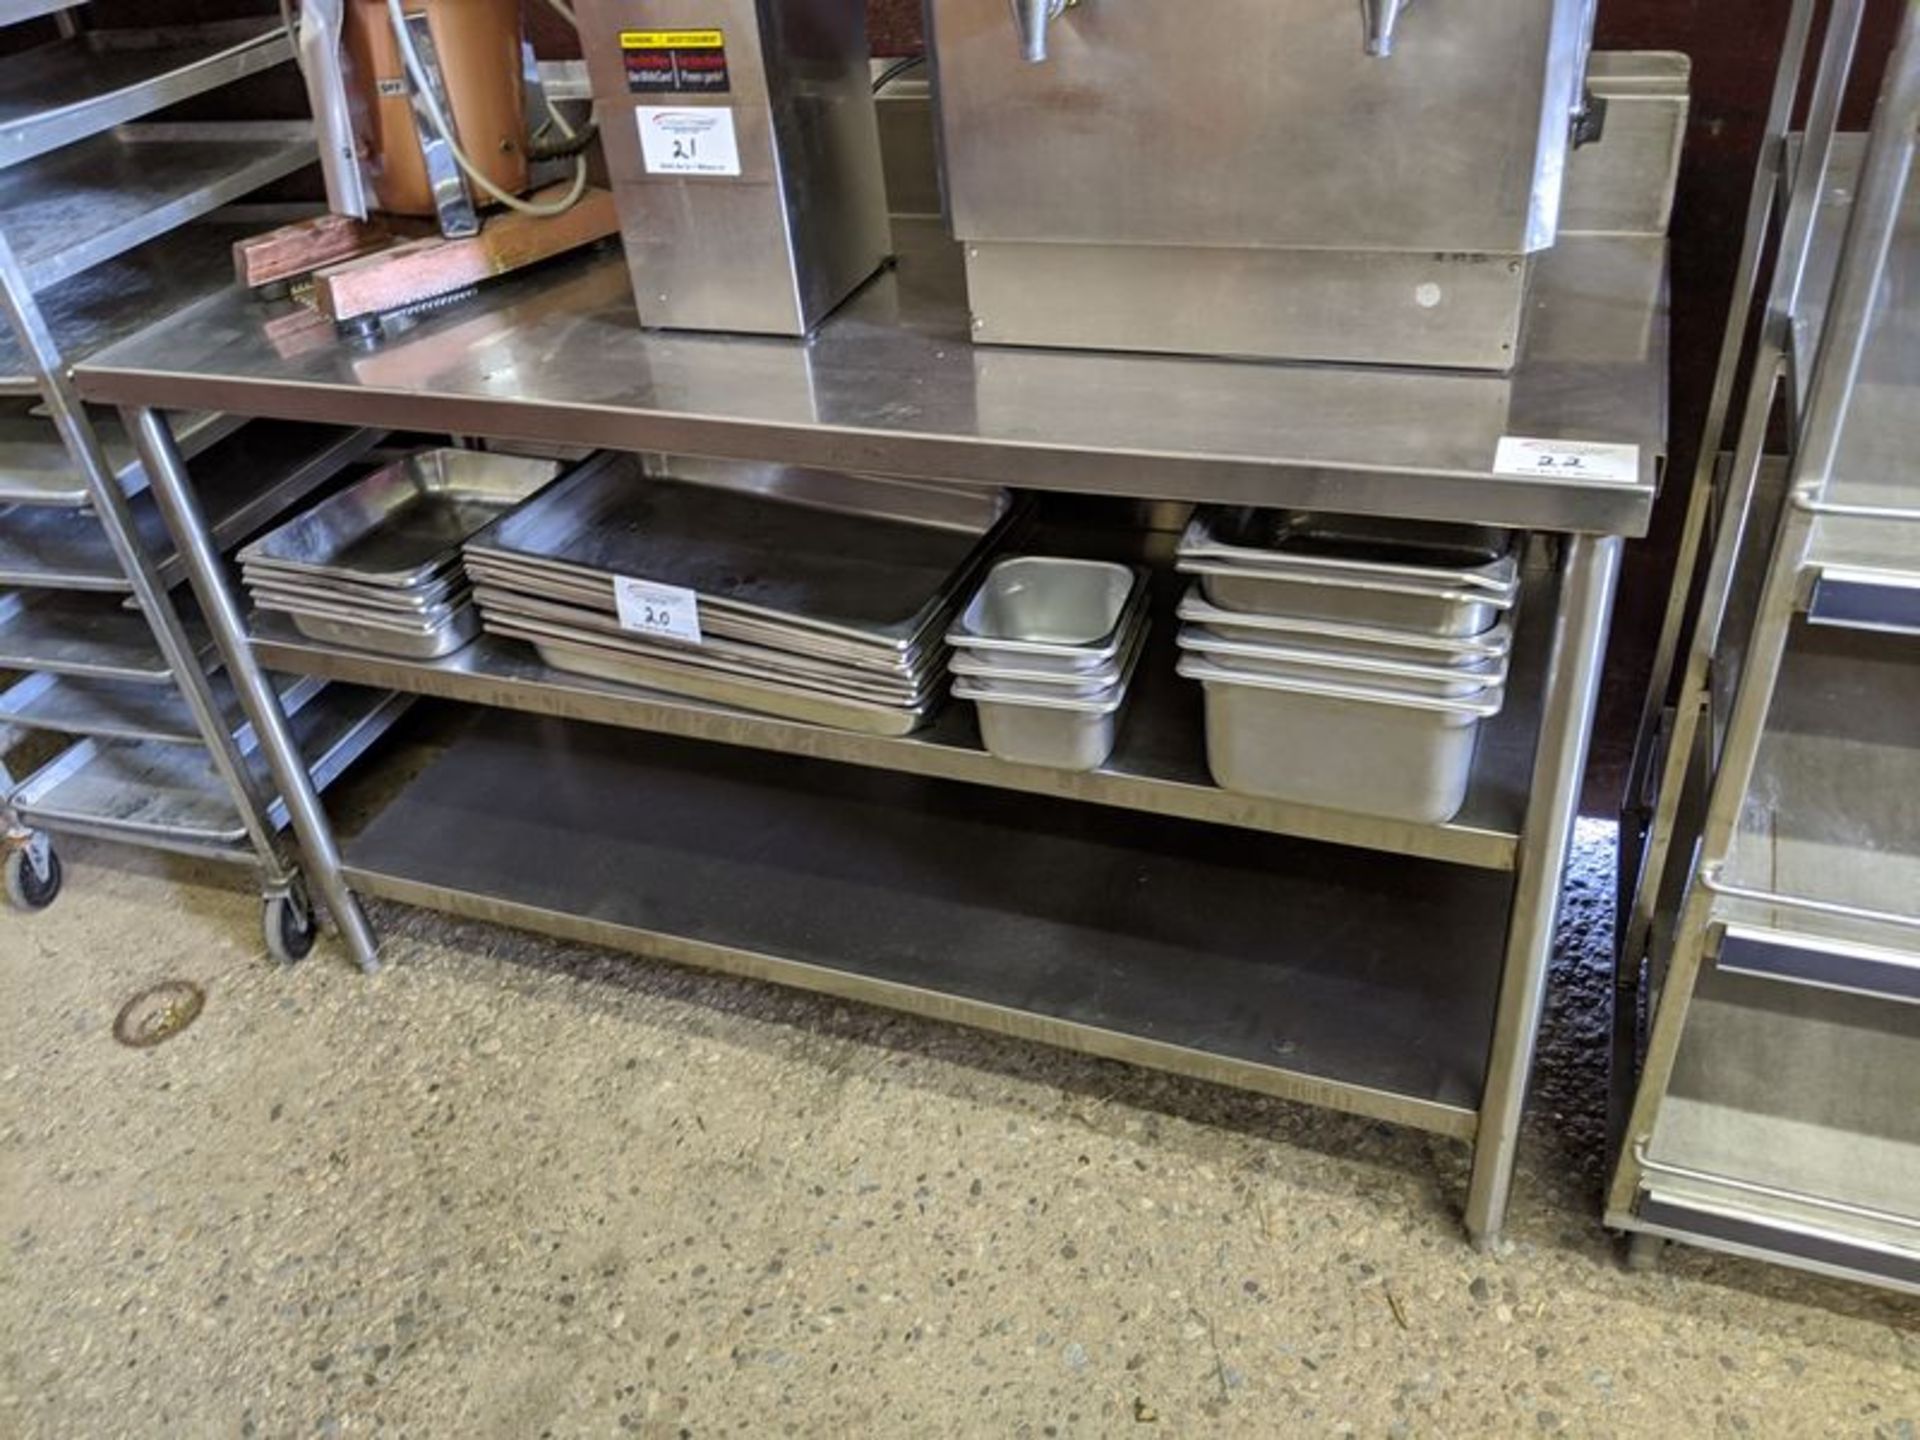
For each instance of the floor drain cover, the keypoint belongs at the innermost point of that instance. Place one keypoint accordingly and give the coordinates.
(158, 1013)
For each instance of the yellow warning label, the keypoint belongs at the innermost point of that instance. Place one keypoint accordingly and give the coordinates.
(672, 40)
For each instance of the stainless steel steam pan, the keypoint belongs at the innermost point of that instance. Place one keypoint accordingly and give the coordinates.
(1473, 676)
(1382, 604)
(1371, 641)
(880, 692)
(1053, 612)
(836, 712)
(407, 642)
(1340, 747)
(402, 524)
(716, 627)
(1454, 557)
(870, 574)
(1011, 673)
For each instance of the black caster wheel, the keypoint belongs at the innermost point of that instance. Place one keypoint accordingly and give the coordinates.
(290, 928)
(30, 886)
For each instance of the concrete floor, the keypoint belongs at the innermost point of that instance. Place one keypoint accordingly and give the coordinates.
(520, 1189)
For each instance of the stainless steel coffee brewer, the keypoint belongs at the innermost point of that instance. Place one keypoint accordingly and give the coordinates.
(1347, 180)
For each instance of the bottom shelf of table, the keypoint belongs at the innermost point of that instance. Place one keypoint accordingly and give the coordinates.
(1343, 978)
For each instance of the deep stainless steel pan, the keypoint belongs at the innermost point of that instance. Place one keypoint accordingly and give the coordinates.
(1450, 557)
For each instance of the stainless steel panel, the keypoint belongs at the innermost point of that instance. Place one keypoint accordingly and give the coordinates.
(1261, 123)
(904, 109)
(800, 221)
(891, 385)
(1624, 184)
(1431, 307)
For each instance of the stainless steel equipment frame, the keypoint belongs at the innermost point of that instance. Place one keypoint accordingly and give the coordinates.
(81, 186)
(1797, 682)
(1385, 968)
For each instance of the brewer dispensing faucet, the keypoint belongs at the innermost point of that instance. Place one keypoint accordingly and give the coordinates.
(1031, 18)
(1380, 16)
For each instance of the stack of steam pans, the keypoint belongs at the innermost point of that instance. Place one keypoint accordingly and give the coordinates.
(376, 566)
(1045, 651)
(1347, 663)
(813, 595)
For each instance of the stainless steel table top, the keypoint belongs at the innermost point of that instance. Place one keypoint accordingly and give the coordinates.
(891, 384)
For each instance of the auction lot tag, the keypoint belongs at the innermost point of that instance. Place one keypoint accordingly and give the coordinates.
(1567, 460)
(688, 140)
(666, 611)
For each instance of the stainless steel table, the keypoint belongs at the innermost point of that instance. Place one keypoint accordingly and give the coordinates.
(1401, 969)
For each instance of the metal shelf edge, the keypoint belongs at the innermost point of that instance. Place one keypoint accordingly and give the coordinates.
(250, 51)
(225, 183)
(549, 692)
(1817, 1251)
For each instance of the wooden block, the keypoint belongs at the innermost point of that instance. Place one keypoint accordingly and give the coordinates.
(420, 269)
(293, 250)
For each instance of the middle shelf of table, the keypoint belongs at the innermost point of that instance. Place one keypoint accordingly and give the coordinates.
(1158, 767)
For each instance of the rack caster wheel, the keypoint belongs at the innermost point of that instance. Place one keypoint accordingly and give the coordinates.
(290, 928)
(33, 874)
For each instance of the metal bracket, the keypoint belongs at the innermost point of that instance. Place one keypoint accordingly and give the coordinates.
(1590, 120)
(37, 846)
(451, 198)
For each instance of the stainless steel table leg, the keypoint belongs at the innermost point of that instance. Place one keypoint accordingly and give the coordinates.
(167, 475)
(1590, 570)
